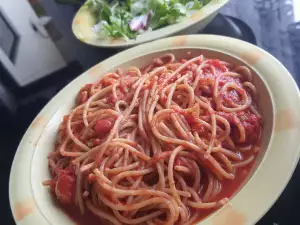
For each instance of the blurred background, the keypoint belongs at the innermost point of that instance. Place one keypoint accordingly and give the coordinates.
(39, 55)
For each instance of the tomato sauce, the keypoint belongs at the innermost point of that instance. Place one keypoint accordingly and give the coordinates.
(63, 185)
(229, 189)
(102, 127)
(88, 218)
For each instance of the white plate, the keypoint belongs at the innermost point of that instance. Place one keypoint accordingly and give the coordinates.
(278, 100)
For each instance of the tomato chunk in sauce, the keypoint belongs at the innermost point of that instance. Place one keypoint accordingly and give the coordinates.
(65, 189)
(251, 124)
(102, 127)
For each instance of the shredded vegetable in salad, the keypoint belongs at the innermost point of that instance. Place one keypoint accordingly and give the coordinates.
(128, 18)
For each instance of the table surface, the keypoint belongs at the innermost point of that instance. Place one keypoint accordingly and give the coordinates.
(276, 26)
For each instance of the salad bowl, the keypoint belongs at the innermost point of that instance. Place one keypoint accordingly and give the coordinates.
(100, 23)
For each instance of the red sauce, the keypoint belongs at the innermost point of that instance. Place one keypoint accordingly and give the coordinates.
(225, 79)
(108, 81)
(163, 100)
(65, 188)
(195, 124)
(88, 218)
(231, 96)
(229, 189)
(96, 142)
(112, 99)
(63, 185)
(178, 162)
(163, 77)
(84, 94)
(251, 124)
(157, 157)
(102, 127)
(219, 66)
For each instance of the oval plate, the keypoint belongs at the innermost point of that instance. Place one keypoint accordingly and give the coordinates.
(31, 203)
(84, 21)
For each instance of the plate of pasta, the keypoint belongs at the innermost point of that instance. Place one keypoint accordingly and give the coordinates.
(184, 130)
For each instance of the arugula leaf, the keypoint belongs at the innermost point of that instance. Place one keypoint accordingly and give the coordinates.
(194, 5)
(178, 10)
(100, 9)
(205, 2)
(116, 15)
(119, 13)
(139, 7)
(184, 2)
(165, 14)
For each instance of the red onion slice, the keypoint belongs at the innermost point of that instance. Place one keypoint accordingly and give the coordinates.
(139, 22)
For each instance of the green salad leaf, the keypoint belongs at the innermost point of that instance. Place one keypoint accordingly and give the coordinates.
(194, 5)
(113, 17)
(115, 14)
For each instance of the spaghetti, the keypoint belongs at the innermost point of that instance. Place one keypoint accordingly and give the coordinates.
(156, 145)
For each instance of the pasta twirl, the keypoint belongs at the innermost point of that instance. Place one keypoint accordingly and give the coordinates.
(165, 144)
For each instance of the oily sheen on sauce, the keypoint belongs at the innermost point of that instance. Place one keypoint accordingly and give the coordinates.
(165, 144)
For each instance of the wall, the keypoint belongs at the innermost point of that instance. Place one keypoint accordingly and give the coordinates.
(36, 56)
